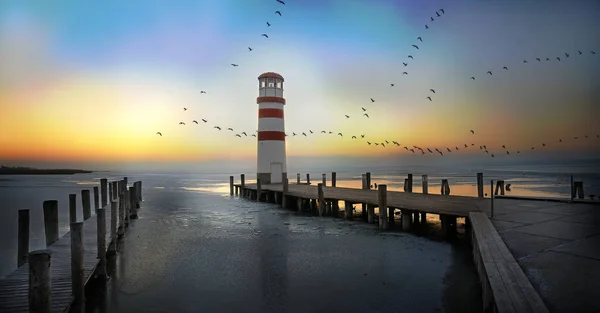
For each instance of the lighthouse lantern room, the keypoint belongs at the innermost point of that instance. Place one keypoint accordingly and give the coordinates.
(271, 156)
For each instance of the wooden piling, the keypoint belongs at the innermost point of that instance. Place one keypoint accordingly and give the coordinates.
(40, 282)
(125, 182)
(368, 175)
(139, 189)
(425, 184)
(406, 220)
(86, 204)
(348, 214)
(103, 191)
(113, 222)
(96, 198)
(50, 221)
(72, 208)
(77, 277)
(101, 242)
(243, 185)
(480, 185)
(23, 237)
(324, 180)
(286, 184)
(383, 209)
(298, 178)
(321, 199)
(577, 190)
(492, 198)
(405, 185)
(363, 206)
(307, 178)
(126, 210)
(258, 189)
(231, 185)
(572, 189)
(370, 214)
(333, 179)
(133, 211)
(110, 192)
(410, 183)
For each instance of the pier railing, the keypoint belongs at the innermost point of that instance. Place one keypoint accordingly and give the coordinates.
(43, 282)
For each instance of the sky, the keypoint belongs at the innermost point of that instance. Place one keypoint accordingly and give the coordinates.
(90, 83)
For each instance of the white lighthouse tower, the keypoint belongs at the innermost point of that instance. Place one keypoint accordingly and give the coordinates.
(271, 158)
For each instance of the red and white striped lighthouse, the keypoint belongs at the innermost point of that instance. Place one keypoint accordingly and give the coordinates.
(271, 158)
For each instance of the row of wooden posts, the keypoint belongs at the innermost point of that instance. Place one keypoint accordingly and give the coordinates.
(126, 200)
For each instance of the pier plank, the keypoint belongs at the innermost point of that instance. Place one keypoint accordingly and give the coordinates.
(14, 288)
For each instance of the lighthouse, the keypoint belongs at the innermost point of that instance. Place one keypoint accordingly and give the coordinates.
(271, 157)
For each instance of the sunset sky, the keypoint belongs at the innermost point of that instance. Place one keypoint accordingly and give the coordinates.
(94, 81)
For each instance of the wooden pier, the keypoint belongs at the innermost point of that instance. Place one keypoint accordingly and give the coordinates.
(54, 279)
(505, 286)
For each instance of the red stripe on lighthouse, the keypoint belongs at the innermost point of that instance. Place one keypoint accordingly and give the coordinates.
(278, 113)
(270, 99)
(271, 135)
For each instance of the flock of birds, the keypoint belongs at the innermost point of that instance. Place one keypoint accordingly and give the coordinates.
(386, 143)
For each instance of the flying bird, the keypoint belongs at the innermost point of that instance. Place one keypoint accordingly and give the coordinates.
(185, 109)
(538, 59)
(181, 123)
(323, 132)
(194, 121)
(280, 1)
(311, 131)
(367, 115)
(353, 137)
(580, 53)
(244, 133)
(432, 90)
(250, 49)
(159, 133)
(372, 100)
(253, 135)
(504, 146)
(558, 58)
(202, 91)
(277, 12)
(391, 85)
(383, 145)
(416, 46)
(566, 55)
(293, 134)
(432, 19)
(507, 152)
(438, 14)
(204, 120)
(525, 61)
(304, 134)
(268, 24)
(234, 65)
(265, 35)
(363, 109)
(238, 135)
(420, 39)
(473, 78)
(369, 143)
(593, 52)
(362, 136)
(410, 57)
(442, 10)
(466, 145)
(489, 72)
(404, 73)
(426, 27)
(217, 127)
(506, 68)
(405, 64)
(429, 98)
(347, 116)
(547, 59)
(340, 134)
(472, 132)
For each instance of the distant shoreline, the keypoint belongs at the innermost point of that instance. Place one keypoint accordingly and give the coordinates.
(4, 170)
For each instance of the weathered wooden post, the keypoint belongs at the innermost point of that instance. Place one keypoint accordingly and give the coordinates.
(324, 180)
(298, 178)
(333, 179)
(243, 185)
(578, 190)
(133, 213)
(23, 237)
(258, 189)
(125, 180)
(307, 178)
(284, 190)
(406, 219)
(368, 176)
(410, 183)
(96, 198)
(72, 208)
(40, 283)
(50, 221)
(406, 185)
(348, 214)
(370, 213)
(383, 209)
(425, 184)
(115, 189)
(126, 210)
(231, 185)
(480, 185)
(321, 199)
(492, 198)
(572, 189)
(77, 279)
(110, 192)
(103, 191)
(139, 191)
(101, 242)
(113, 224)
(86, 203)
(363, 212)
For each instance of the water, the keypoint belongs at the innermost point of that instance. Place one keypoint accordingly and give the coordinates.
(212, 253)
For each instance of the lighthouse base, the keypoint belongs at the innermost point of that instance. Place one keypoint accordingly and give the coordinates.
(271, 178)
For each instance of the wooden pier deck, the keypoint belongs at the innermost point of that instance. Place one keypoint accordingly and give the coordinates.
(14, 288)
(459, 206)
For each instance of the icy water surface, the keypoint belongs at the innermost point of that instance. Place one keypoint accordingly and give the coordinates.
(201, 252)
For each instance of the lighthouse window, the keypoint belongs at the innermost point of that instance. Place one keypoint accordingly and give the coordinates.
(270, 82)
(279, 84)
(262, 84)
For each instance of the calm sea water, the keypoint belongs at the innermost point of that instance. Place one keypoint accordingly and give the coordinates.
(191, 217)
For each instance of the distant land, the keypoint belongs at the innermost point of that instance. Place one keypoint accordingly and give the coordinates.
(18, 170)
